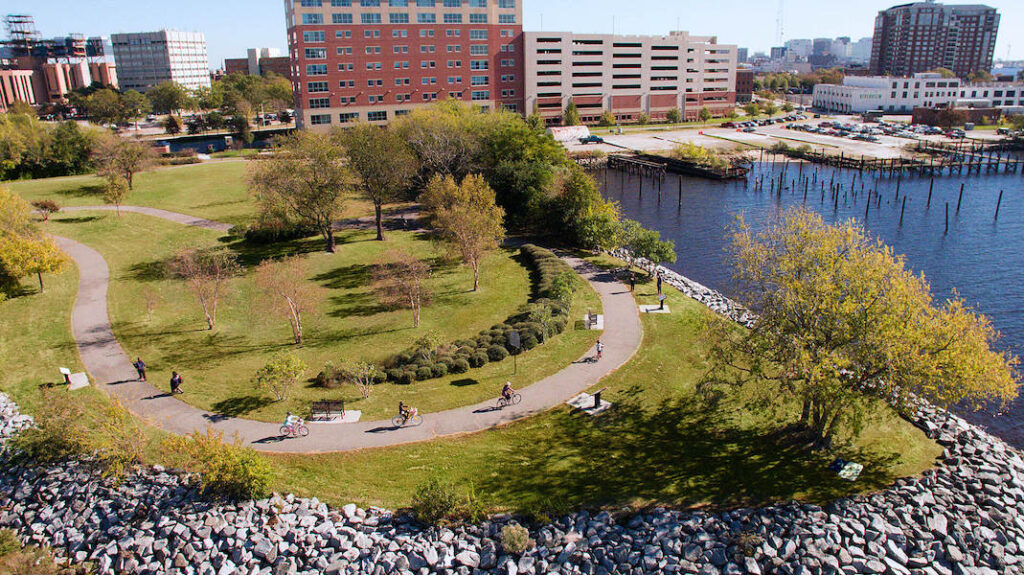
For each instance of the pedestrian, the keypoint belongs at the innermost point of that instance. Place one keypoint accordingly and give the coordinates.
(600, 350)
(140, 366)
(632, 281)
(659, 283)
(176, 383)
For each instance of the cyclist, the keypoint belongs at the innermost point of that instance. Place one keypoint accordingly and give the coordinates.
(404, 412)
(507, 391)
(290, 421)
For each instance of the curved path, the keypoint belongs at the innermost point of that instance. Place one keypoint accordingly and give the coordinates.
(111, 368)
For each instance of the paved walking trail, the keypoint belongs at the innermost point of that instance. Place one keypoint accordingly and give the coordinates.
(111, 368)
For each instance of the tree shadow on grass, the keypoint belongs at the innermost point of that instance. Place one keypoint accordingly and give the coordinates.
(252, 254)
(84, 191)
(465, 382)
(214, 348)
(679, 452)
(151, 271)
(346, 277)
(76, 219)
(239, 406)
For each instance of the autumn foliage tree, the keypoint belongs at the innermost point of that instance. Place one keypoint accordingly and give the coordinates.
(467, 217)
(287, 291)
(400, 281)
(115, 191)
(115, 156)
(206, 272)
(842, 321)
(24, 250)
(306, 179)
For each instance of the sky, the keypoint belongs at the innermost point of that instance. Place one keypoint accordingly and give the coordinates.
(231, 26)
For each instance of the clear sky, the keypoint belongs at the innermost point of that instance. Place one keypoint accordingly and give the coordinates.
(231, 26)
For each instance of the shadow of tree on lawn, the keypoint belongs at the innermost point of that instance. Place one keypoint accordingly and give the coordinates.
(239, 406)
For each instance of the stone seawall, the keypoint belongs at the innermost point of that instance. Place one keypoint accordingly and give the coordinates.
(966, 516)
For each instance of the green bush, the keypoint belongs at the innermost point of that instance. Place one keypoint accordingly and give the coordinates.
(496, 353)
(515, 539)
(395, 374)
(530, 341)
(440, 369)
(435, 502)
(424, 373)
(9, 542)
(408, 377)
(478, 359)
(460, 366)
(226, 469)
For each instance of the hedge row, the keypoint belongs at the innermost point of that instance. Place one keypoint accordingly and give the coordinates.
(545, 317)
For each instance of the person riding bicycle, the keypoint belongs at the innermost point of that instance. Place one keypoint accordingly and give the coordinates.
(404, 412)
(507, 391)
(290, 421)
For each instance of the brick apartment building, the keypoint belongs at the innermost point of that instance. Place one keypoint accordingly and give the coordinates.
(923, 36)
(628, 75)
(259, 62)
(375, 60)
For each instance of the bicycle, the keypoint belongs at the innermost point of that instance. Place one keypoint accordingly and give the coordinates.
(298, 429)
(513, 399)
(412, 420)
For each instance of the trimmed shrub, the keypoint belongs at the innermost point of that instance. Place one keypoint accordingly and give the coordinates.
(529, 341)
(435, 502)
(460, 366)
(479, 359)
(440, 370)
(424, 373)
(515, 539)
(496, 353)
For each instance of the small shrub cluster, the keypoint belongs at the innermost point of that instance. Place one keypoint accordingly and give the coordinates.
(437, 502)
(545, 317)
(265, 233)
(32, 560)
(515, 539)
(226, 469)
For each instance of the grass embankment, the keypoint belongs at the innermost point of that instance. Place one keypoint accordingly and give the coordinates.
(350, 325)
(660, 444)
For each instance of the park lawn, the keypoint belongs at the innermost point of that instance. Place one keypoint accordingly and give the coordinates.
(218, 366)
(659, 445)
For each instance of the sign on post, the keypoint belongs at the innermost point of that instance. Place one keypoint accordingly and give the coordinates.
(517, 342)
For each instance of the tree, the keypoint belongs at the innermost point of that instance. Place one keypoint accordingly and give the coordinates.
(168, 97)
(134, 106)
(105, 107)
(384, 162)
(520, 164)
(115, 191)
(584, 217)
(467, 217)
(240, 124)
(363, 375)
(948, 116)
(647, 244)
(446, 139)
(643, 119)
(608, 118)
(280, 374)
(46, 207)
(943, 72)
(770, 108)
(207, 274)
(287, 290)
(114, 155)
(172, 125)
(571, 115)
(752, 109)
(981, 77)
(1017, 121)
(400, 281)
(21, 108)
(209, 98)
(787, 107)
(842, 321)
(674, 116)
(22, 256)
(705, 115)
(306, 179)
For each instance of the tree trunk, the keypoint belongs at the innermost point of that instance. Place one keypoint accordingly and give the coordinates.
(330, 238)
(805, 413)
(378, 212)
(130, 178)
(476, 276)
(41, 288)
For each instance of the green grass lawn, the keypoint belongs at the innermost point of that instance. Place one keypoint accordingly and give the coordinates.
(660, 444)
(350, 326)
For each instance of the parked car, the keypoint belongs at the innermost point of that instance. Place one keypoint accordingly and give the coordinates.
(749, 130)
(592, 140)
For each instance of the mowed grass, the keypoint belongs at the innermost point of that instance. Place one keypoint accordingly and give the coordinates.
(350, 325)
(659, 445)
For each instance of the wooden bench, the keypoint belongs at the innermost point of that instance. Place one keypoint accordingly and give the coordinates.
(327, 410)
(591, 320)
(597, 397)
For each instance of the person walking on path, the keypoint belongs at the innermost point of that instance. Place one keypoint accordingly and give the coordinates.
(140, 366)
(176, 383)
(632, 281)
(600, 350)
(659, 283)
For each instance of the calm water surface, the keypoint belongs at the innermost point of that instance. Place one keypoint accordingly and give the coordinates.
(980, 257)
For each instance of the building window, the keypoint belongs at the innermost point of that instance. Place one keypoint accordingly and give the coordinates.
(506, 18)
(311, 3)
(348, 117)
(316, 53)
(316, 87)
(426, 18)
(478, 18)
(477, 3)
(453, 18)
(398, 18)
(341, 18)
(319, 103)
(370, 18)
(479, 65)
(398, 3)
(320, 119)
(312, 19)
(381, 116)
(341, 3)
(315, 37)
(506, 3)
(478, 34)
(343, 34)
(369, 3)
(425, 3)
(482, 95)
(480, 80)
(316, 69)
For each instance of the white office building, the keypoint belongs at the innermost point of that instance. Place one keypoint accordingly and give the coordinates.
(146, 59)
(857, 95)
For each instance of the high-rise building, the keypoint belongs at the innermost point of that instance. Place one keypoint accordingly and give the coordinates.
(375, 60)
(146, 59)
(628, 75)
(923, 36)
(742, 55)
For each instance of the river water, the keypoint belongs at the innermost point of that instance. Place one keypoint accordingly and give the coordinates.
(980, 257)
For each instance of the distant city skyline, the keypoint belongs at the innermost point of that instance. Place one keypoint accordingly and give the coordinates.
(232, 27)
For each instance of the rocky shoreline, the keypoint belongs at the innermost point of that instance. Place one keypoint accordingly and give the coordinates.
(966, 516)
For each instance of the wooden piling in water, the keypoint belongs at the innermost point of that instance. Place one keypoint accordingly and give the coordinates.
(947, 220)
(960, 199)
(999, 204)
(902, 210)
